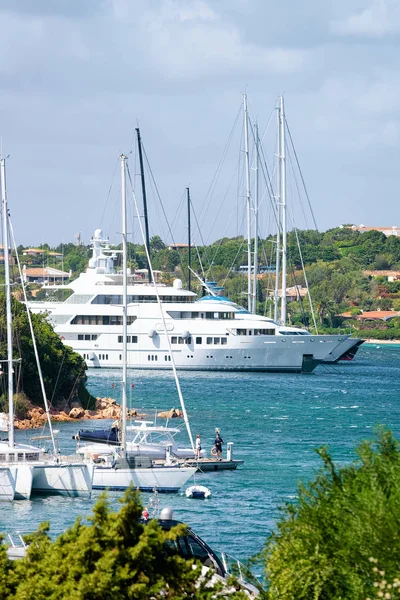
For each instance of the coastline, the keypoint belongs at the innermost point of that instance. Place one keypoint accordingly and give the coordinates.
(371, 341)
(106, 408)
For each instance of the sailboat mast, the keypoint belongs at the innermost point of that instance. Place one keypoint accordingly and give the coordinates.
(278, 223)
(124, 303)
(8, 304)
(246, 153)
(256, 202)
(283, 206)
(145, 215)
(189, 240)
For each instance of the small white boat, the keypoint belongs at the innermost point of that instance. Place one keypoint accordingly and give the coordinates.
(198, 491)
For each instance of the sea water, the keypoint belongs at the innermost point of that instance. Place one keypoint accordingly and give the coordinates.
(276, 421)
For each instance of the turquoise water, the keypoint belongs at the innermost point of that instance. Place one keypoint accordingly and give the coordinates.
(275, 421)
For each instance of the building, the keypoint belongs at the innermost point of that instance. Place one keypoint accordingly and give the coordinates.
(44, 275)
(372, 315)
(393, 230)
(391, 275)
(292, 293)
(34, 252)
(178, 246)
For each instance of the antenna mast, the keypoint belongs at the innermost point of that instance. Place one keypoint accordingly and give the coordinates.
(145, 215)
(283, 206)
(8, 304)
(124, 303)
(189, 240)
(256, 201)
(246, 152)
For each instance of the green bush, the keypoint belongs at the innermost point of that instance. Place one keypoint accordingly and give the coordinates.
(324, 543)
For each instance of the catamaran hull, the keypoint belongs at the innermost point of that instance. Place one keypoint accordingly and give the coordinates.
(164, 479)
(23, 483)
(63, 479)
(7, 483)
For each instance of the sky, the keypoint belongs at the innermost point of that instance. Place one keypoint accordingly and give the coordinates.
(77, 77)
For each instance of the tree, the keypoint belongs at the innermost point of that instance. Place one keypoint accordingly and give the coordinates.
(346, 516)
(156, 243)
(113, 557)
(63, 369)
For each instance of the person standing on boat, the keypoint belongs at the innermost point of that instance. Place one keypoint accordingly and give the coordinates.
(198, 447)
(218, 445)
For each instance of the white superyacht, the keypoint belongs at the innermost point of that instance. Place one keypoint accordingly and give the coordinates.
(208, 334)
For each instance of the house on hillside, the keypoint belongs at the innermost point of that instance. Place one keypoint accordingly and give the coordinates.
(44, 275)
(372, 315)
(292, 293)
(391, 230)
(391, 275)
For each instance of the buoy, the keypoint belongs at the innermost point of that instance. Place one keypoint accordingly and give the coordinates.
(198, 491)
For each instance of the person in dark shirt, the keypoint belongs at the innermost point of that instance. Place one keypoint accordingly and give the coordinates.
(218, 445)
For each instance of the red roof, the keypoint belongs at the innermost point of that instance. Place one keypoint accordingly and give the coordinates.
(372, 314)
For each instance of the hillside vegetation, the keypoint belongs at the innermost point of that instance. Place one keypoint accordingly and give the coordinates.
(335, 263)
(63, 369)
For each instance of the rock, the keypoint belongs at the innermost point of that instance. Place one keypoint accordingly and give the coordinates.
(112, 412)
(171, 414)
(76, 413)
(104, 403)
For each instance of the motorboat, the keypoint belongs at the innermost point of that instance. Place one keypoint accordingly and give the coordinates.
(149, 440)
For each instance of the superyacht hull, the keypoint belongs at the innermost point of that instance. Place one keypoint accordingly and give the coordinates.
(345, 351)
(164, 479)
(293, 354)
(63, 479)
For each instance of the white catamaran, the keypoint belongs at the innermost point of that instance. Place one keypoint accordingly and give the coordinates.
(32, 470)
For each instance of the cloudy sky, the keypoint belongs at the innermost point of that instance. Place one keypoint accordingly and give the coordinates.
(76, 76)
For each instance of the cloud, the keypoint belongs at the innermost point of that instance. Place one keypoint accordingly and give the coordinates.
(188, 40)
(381, 18)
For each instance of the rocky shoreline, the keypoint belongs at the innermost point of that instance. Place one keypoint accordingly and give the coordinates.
(106, 408)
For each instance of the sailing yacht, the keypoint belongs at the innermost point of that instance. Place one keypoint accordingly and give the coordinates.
(31, 469)
(120, 469)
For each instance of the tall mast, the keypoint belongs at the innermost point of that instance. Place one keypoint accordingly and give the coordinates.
(283, 207)
(8, 304)
(278, 223)
(189, 240)
(256, 201)
(146, 219)
(246, 152)
(124, 302)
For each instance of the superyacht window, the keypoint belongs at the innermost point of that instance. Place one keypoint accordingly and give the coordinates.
(101, 320)
(130, 339)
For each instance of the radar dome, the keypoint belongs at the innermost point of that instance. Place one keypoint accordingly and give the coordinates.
(177, 284)
(98, 234)
(166, 514)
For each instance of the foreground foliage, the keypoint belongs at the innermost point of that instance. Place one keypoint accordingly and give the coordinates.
(345, 522)
(113, 557)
